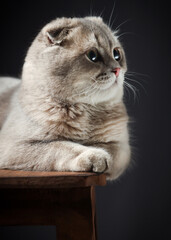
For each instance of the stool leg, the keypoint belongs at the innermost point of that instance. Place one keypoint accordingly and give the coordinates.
(75, 214)
(72, 210)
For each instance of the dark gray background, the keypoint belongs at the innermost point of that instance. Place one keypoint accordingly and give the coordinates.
(137, 206)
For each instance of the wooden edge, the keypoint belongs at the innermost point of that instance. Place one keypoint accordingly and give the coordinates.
(31, 179)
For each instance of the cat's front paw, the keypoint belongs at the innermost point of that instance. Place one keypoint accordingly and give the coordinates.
(93, 159)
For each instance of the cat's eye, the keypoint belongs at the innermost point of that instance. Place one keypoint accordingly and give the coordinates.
(93, 55)
(117, 54)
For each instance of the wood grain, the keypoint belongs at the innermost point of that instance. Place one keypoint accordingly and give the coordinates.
(31, 179)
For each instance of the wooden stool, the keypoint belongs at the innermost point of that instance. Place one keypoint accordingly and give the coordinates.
(63, 199)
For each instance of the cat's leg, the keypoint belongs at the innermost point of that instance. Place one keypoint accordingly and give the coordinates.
(55, 155)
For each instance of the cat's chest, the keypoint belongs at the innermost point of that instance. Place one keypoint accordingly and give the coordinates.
(107, 126)
(92, 125)
(108, 130)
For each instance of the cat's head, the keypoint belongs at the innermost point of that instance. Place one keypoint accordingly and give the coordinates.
(77, 60)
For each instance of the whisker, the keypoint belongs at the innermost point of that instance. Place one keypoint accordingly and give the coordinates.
(94, 79)
(101, 14)
(138, 74)
(133, 80)
(117, 28)
(95, 92)
(122, 34)
(127, 90)
(113, 22)
(89, 90)
(101, 81)
(91, 8)
(81, 92)
(133, 88)
(111, 15)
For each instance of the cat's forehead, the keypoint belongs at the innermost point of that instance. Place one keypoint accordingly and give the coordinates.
(83, 32)
(99, 32)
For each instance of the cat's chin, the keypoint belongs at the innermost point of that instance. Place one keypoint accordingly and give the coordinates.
(112, 93)
(109, 94)
(109, 83)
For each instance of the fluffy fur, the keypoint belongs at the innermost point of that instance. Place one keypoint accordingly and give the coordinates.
(67, 112)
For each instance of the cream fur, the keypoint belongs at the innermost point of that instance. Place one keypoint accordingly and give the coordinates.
(65, 115)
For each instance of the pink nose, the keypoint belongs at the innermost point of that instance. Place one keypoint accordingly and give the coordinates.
(116, 71)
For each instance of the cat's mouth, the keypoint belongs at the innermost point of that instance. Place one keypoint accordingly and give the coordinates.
(105, 80)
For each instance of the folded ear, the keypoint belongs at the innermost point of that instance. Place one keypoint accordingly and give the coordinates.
(57, 36)
(59, 30)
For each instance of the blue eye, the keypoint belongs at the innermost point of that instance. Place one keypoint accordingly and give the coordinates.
(117, 54)
(93, 55)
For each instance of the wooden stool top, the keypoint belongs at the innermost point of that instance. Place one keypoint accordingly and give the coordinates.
(33, 179)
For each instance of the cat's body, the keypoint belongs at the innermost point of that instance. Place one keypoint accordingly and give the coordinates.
(67, 113)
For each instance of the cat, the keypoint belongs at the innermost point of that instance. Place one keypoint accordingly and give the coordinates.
(67, 111)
